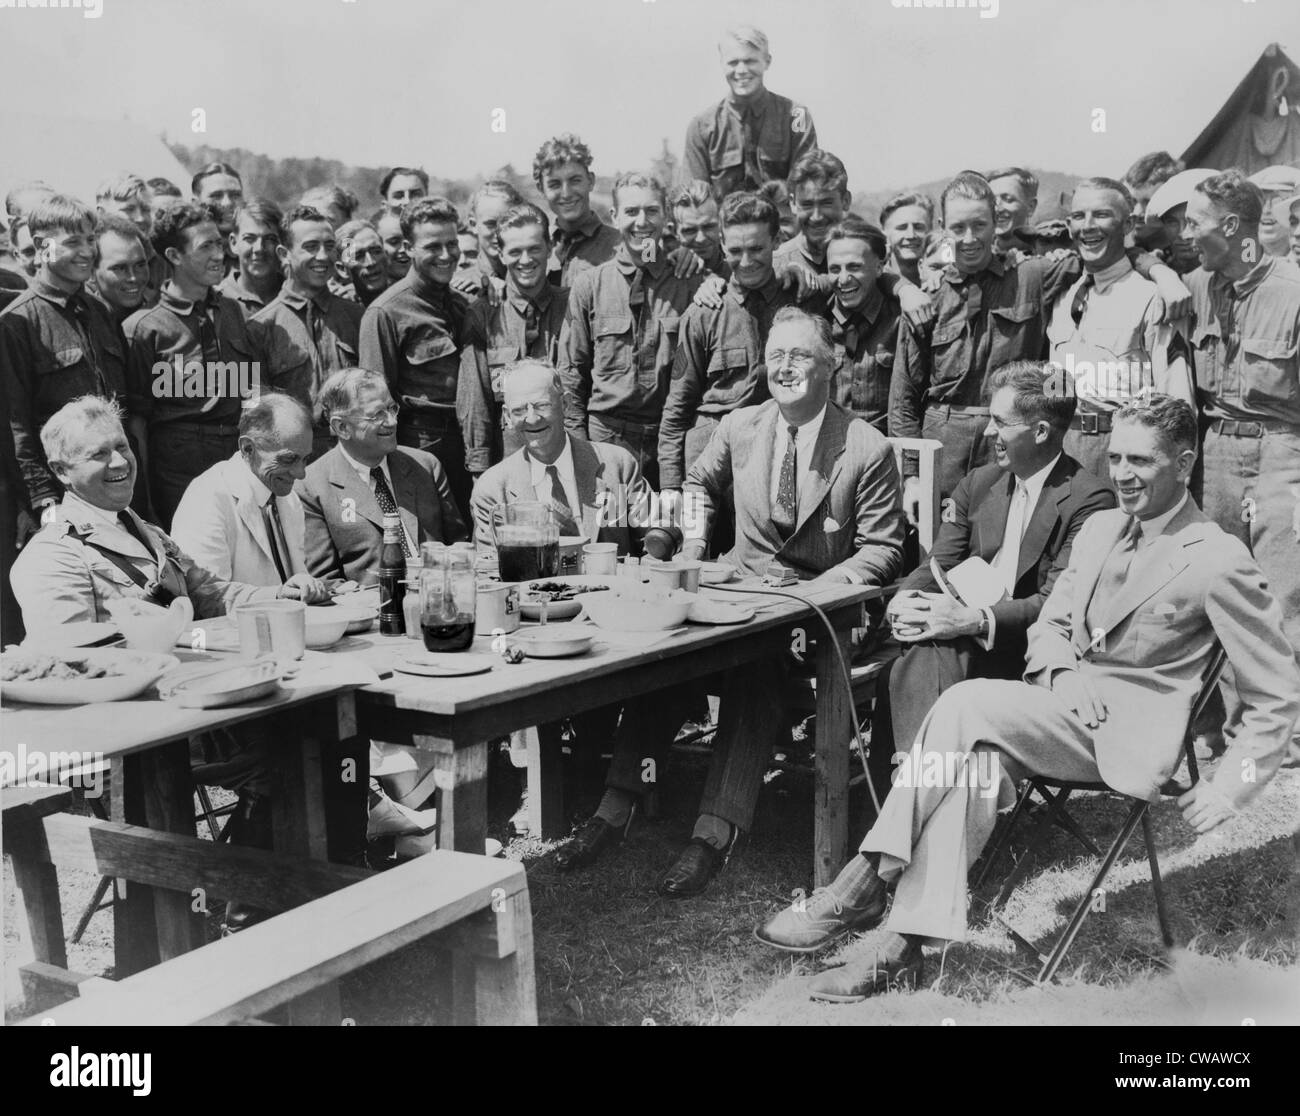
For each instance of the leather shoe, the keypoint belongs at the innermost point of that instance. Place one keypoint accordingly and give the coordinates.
(887, 971)
(691, 872)
(822, 919)
(587, 844)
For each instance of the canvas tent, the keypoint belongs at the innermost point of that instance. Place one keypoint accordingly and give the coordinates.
(75, 156)
(1259, 125)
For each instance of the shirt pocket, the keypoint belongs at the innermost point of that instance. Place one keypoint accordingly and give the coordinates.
(498, 361)
(1160, 635)
(1205, 342)
(728, 376)
(1269, 371)
(63, 375)
(613, 344)
(948, 351)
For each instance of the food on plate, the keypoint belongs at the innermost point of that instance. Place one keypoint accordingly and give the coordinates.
(561, 591)
(16, 666)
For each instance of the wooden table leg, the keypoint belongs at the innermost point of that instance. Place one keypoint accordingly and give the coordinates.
(546, 782)
(135, 935)
(831, 759)
(461, 778)
(505, 989)
(169, 807)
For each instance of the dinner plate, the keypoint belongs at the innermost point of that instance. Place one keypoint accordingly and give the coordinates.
(84, 633)
(705, 611)
(553, 643)
(445, 664)
(559, 610)
(136, 672)
(716, 573)
(203, 686)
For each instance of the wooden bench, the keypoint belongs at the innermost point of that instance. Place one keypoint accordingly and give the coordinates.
(475, 908)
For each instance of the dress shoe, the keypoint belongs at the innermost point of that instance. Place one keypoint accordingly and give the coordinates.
(387, 818)
(888, 970)
(694, 867)
(823, 918)
(586, 846)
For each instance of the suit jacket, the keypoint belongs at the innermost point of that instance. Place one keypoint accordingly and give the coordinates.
(344, 526)
(980, 504)
(59, 579)
(1191, 587)
(850, 513)
(220, 525)
(615, 497)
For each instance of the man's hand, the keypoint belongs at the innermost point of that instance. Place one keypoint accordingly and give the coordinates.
(934, 616)
(709, 293)
(1079, 694)
(685, 262)
(469, 283)
(1175, 298)
(912, 500)
(305, 588)
(804, 280)
(1204, 808)
(833, 576)
(917, 306)
(494, 290)
(693, 550)
(900, 601)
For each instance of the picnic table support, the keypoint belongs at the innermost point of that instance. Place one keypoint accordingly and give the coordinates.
(546, 782)
(831, 757)
(461, 778)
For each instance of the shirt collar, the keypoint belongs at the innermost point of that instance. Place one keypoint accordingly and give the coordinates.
(769, 291)
(1154, 528)
(520, 301)
(260, 493)
(869, 311)
(563, 464)
(997, 266)
(1248, 282)
(363, 471)
(291, 296)
(1033, 485)
(807, 432)
(583, 230)
(51, 293)
(79, 512)
(628, 266)
(170, 299)
(427, 289)
(1107, 277)
(756, 105)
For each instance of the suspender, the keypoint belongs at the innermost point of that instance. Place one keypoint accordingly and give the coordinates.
(155, 591)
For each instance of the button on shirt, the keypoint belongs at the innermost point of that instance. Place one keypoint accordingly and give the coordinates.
(589, 244)
(865, 341)
(56, 347)
(1118, 349)
(740, 144)
(616, 360)
(413, 333)
(246, 300)
(1246, 342)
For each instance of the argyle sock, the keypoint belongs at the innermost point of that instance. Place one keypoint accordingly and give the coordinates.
(615, 807)
(713, 831)
(856, 880)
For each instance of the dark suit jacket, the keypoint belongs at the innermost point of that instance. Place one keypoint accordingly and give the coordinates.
(980, 504)
(850, 516)
(345, 528)
(614, 495)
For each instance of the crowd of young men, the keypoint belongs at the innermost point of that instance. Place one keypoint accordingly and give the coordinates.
(741, 337)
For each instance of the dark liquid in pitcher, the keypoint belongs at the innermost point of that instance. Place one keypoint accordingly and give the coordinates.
(455, 636)
(528, 563)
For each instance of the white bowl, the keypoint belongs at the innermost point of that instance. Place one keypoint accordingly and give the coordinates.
(360, 618)
(136, 672)
(554, 643)
(327, 625)
(637, 608)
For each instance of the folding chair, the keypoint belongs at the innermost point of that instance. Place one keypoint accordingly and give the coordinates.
(1056, 793)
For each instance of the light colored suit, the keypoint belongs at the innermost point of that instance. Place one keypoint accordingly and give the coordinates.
(344, 526)
(221, 526)
(1145, 654)
(615, 497)
(850, 512)
(59, 579)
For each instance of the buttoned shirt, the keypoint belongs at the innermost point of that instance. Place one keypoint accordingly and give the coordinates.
(541, 479)
(798, 250)
(247, 301)
(718, 366)
(615, 359)
(56, 347)
(740, 144)
(413, 333)
(866, 338)
(305, 338)
(588, 244)
(1119, 348)
(803, 453)
(365, 472)
(495, 337)
(1246, 342)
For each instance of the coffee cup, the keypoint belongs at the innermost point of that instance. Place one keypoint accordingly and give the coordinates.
(600, 559)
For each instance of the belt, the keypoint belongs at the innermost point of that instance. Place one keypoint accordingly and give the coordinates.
(945, 410)
(1236, 429)
(218, 429)
(626, 424)
(1091, 422)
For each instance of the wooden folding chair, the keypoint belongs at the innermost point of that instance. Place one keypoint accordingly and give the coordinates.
(1056, 793)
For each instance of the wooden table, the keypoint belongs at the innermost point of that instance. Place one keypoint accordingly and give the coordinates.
(455, 718)
(149, 739)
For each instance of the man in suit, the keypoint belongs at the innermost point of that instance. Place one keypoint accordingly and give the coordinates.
(241, 519)
(1114, 664)
(816, 490)
(1020, 514)
(346, 493)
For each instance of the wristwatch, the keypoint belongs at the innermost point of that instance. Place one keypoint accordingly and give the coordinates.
(982, 632)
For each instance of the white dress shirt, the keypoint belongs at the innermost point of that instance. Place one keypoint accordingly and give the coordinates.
(363, 471)
(1151, 529)
(803, 446)
(541, 480)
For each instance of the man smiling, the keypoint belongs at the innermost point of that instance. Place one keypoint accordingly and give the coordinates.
(121, 275)
(1016, 192)
(255, 244)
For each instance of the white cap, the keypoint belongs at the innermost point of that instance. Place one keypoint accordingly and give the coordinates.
(1278, 179)
(1177, 191)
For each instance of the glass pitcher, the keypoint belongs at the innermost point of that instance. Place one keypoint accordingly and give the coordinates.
(448, 596)
(527, 539)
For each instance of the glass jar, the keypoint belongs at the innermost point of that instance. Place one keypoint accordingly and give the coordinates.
(448, 596)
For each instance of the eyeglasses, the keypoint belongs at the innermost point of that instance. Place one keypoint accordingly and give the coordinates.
(797, 357)
(388, 414)
(544, 410)
(999, 425)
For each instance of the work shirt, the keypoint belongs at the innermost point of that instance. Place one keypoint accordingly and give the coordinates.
(1118, 349)
(303, 340)
(718, 366)
(981, 322)
(589, 245)
(865, 342)
(495, 337)
(797, 250)
(247, 301)
(56, 348)
(619, 339)
(1246, 342)
(213, 332)
(735, 145)
(413, 333)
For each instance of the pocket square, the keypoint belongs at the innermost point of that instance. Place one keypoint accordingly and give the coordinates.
(1165, 609)
(830, 525)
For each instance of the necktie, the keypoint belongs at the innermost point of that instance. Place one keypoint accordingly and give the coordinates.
(314, 323)
(129, 524)
(1008, 557)
(1115, 572)
(387, 505)
(845, 332)
(636, 292)
(784, 515)
(531, 332)
(563, 511)
(1080, 302)
(275, 533)
(749, 149)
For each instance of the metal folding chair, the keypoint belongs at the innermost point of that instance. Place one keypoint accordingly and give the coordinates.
(1055, 793)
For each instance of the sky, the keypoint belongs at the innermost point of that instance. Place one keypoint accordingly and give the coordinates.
(902, 95)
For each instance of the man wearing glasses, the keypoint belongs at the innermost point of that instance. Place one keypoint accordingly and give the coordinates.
(367, 475)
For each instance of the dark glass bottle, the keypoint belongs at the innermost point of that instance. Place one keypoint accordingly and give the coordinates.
(392, 578)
